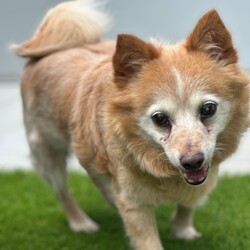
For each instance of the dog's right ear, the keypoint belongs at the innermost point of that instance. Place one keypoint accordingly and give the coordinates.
(130, 55)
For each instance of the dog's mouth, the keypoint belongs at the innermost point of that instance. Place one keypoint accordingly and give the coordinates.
(196, 177)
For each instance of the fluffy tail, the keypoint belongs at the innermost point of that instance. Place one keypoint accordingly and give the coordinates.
(67, 25)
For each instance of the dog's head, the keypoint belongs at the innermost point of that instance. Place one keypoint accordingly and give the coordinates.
(190, 99)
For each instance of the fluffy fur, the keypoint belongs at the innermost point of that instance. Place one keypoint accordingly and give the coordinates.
(149, 122)
(55, 33)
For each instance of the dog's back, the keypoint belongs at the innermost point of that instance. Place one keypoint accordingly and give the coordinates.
(67, 42)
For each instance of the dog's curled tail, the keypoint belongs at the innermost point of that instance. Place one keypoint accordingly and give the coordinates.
(67, 25)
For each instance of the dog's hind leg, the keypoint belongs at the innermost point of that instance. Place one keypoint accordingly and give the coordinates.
(50, 161)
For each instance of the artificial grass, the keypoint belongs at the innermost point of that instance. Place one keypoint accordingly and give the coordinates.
(31, 219)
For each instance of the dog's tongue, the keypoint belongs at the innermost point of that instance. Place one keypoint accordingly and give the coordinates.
(196, 177)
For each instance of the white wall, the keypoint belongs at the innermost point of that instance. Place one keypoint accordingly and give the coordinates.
(170, 20)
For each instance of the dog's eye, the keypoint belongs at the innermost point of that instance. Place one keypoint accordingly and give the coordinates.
(161, 120)
(208, 109)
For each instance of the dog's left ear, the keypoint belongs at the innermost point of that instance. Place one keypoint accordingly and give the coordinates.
(130, 55)
(212, 37)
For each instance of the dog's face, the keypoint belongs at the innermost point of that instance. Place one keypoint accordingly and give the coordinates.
(184, 96)
(185, 114)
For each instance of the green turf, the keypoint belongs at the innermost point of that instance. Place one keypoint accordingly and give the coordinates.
(31, 219)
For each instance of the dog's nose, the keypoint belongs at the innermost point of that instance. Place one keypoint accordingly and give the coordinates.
(192, 162)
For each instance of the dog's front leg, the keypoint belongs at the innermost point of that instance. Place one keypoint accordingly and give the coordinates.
(182, 227)
(140, 224)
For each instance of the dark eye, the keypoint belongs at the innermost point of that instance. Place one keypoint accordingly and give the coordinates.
(208, 109)
(160, 119)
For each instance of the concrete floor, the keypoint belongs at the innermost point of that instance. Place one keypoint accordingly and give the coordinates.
(14, 153)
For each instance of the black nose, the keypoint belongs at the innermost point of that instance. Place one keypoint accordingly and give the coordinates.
(192, 162)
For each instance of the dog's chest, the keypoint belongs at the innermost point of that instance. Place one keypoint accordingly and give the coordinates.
(153, 192)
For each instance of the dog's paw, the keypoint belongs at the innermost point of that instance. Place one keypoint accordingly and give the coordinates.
(87, 225)
(186, 233)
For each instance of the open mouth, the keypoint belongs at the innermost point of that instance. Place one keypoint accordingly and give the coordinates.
(196, 177)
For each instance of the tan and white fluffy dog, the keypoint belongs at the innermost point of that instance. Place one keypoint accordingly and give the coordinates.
(150, 122)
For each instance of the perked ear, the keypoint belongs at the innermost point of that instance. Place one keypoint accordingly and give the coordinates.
(212, 37)
(130, 55)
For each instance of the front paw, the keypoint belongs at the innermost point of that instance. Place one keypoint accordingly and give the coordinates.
(185, 233)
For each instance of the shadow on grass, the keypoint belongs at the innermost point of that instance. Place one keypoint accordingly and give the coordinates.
(30, 217)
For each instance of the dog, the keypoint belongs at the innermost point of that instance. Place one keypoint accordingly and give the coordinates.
(149, 121)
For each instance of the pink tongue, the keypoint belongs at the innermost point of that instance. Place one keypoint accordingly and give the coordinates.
(196, 175)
